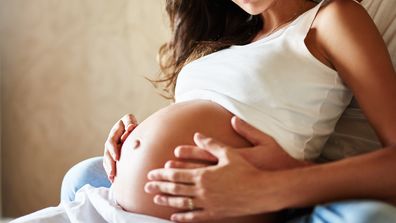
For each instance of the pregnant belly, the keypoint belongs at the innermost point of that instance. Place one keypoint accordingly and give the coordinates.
(159, 135)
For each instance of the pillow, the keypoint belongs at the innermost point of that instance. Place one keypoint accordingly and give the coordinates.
(383, 12)
(353, 133)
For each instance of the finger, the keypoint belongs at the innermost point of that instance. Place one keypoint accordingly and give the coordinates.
(113, 141)
(125, 136)
(176, 202)
(116, 131)
(127, 132)
(194, 153)
(254, 156)
(109, 165)
(113, 149)
(173, 175)
(191, 216)
(184, 165)
(130, 127)
(253, 135)
(129, 121)
(106, 166)
(215, 147)
(157, 187)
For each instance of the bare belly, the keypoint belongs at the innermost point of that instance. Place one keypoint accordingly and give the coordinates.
(159, 135)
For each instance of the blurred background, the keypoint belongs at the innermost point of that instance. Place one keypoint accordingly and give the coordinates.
(68, 71)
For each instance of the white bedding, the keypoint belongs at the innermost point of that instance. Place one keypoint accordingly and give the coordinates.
(94, 205)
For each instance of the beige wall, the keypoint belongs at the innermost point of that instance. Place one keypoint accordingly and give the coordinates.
(70, 70)
(1, 105)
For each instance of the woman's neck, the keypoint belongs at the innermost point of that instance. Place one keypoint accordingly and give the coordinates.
(281, 12)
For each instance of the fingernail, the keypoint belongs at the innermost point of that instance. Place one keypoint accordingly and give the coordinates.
(150, 176)
(176, 152)
(199, 135)
(168, 164)
(240, 120)
(130, 127)
(158, 199)
(148, 187)
(173, 218)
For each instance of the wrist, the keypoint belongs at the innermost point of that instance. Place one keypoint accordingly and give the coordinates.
(286, 189)
(274, 192)
(351, 178)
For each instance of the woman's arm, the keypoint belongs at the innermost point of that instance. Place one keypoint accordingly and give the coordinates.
(350, 41)
(352, 44)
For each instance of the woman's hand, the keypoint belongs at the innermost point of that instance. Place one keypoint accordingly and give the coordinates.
(229, 188)
(116, 138)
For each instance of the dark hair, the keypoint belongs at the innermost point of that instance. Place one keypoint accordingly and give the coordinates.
(201, 27)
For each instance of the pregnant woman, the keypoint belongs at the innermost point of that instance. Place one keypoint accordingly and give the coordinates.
(287, 67)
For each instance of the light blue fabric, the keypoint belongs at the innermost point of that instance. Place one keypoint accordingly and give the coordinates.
(91, 172)
(364, 211)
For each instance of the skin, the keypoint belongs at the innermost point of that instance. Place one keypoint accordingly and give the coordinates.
(158, 135)
(340, 23)
(279, 187)
(275, 13)
(117, 136)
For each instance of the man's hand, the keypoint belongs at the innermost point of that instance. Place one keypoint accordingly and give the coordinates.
(265, 153)
(228, 189)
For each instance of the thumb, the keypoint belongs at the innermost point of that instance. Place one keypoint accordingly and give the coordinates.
(254, 155)
(247, 131)
(249, 153)
(215, 147)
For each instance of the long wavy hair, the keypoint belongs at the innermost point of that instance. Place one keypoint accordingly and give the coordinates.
(201, 27)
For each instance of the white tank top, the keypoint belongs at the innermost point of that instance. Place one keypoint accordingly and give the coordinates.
(275, 84)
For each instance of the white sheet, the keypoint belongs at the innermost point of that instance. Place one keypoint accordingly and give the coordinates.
(94, 205)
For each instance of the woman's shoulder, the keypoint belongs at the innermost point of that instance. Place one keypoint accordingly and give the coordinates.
(338, 23)
(343, 5)
(334, 20)
(339, 12)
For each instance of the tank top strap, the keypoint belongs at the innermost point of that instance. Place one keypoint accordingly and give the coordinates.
(307, 19)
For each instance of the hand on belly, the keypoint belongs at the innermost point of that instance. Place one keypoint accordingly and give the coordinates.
(152, 143)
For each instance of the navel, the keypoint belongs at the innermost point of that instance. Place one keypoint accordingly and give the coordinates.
(136, 144)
